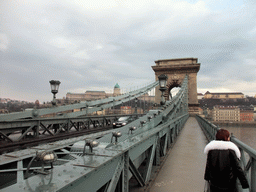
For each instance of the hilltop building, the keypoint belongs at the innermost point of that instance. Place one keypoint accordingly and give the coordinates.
(95, 95)
(92, 95)
(117, 90)
(225, 95)
(200, 96)
(87, 96)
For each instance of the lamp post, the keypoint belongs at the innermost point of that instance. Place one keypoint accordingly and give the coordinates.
(54, 88)
(136, 106)
(162, 84)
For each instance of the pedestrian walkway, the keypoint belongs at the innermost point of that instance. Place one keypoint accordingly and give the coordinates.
(183, 170)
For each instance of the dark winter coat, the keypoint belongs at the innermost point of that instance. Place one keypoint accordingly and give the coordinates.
(222, 167)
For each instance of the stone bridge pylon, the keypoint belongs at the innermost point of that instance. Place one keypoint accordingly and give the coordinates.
(176, 70)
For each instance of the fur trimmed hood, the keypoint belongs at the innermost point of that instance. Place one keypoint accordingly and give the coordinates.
(222, 145)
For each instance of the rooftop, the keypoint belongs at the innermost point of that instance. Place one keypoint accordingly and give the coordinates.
(117, 86)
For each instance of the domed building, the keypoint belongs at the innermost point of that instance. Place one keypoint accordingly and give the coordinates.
(92, 95)
(117, 90)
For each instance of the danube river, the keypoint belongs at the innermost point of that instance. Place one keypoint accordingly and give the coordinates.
(244, 134)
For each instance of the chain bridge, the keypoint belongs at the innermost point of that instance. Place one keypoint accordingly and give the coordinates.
(160, 150)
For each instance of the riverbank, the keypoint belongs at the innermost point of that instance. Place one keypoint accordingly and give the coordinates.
(235, 124)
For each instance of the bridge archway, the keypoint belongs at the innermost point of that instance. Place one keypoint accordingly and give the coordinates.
(176, 70)
(171, 86)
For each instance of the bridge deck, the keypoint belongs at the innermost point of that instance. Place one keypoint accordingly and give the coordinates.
(184, 167)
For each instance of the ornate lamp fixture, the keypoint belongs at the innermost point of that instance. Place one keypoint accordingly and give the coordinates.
(54, 88)
(91, 144)
(44, 157)
(131, 129)
(116, 135)
(162, 84)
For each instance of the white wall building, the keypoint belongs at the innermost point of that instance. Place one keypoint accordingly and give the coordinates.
(226, 113)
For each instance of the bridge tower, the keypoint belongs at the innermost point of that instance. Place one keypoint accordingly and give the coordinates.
(176, 70)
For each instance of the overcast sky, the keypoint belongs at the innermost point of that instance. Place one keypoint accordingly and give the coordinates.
(94, 44)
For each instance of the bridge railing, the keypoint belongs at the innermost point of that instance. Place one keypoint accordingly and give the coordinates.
(20, 129)
(132, 150)
(248, 154)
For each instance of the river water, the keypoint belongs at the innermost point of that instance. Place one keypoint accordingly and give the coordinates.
(244, 134)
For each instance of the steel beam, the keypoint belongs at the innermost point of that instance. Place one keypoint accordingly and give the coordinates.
(125, 173)
(25, 133)
(116, 176)
(149, 163)
(136, 173)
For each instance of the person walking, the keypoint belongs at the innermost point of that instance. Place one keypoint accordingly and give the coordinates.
(222, 166)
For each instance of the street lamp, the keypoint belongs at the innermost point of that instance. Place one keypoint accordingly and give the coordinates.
(136, 106)
(54, 88)
(162, 84)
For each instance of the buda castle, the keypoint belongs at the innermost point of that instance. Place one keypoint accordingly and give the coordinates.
(92, 95)
(96, 95)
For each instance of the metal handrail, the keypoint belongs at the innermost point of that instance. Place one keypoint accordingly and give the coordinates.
(248, 165)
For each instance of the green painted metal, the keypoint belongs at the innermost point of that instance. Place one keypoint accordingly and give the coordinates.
(54, 126)
(136, 173)
(248, 164)
(116, 175)
(107, 168)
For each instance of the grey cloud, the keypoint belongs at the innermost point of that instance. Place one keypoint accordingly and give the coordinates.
(85, 49)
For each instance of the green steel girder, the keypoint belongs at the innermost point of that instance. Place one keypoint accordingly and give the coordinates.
(116, 176)
(20, 174)
(18, 124)
(70, 181)
(157, 151)
(93, 180)
(23, 134)
(165, 143)
(125, 173)
(136, 173)
(5, 137)
(46, 128)
(51, 126)
(149, 163)
(110, 162)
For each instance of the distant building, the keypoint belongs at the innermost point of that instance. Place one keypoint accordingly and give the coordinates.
(254, 112)
(227, 95)
(96, 95)
(126, 110)
(87, 96)
(226, 113)
(117, 90)
(246, 113)
(200, 96)
(37, 103)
